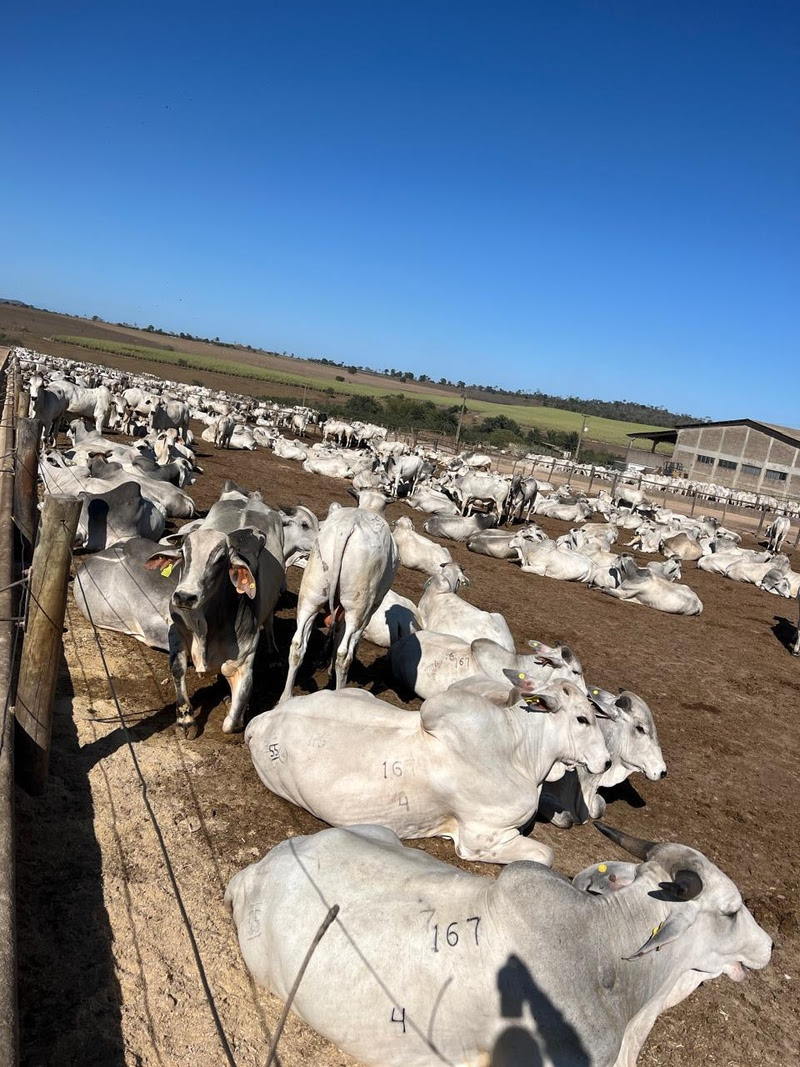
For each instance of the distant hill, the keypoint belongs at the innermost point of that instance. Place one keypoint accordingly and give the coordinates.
(15, 303)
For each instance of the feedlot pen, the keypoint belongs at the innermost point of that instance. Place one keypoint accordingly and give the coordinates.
(107, 974)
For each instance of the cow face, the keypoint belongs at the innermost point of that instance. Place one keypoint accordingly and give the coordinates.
(208, 560)
(574, 718)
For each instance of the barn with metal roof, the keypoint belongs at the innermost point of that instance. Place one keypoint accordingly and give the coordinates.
(740, 453)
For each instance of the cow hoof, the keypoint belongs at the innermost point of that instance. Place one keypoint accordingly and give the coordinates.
(231, 725)
(187, 731)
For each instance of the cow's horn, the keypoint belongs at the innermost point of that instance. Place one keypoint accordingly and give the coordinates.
(637, 846)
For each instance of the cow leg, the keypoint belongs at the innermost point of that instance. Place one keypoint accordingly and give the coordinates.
(346, 651)
(796, 646)
(269, 634)
(178, 664)
(241, 683)
(475, 843)
(297, 651)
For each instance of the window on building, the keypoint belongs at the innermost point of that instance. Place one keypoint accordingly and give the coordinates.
(726, 464)
(705, 459)
(748, 468)
(775, 476)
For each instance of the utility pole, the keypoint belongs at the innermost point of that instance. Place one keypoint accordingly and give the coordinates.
(460, 418)
(580, 441)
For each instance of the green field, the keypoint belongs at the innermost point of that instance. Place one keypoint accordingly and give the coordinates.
(605, 431)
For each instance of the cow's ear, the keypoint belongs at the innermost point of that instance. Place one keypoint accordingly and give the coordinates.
(545, 654)
(526, 685)
(677, 922)
(166, 557)
(242, 577)
(604, 702)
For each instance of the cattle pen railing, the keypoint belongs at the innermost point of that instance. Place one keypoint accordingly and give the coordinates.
(749, 517)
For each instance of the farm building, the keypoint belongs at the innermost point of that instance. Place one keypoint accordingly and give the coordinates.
(740, 453)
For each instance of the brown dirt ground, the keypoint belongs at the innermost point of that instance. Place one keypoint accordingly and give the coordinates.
(107, 976)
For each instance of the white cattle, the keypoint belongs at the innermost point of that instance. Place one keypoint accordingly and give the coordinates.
(555, 508)
(432, 501)
(777, 531)
(632, 740)
(405, 471)
(427, 662)
(490, 489)
(428, 965)
(458, 527)
(496, 543)
(549, 560)
(336, 466)
(442, 610)
(640, 586)
(416, 551)
(459, 768)
(285, 449)
(394, 618)
(87, 403)
(350, 569)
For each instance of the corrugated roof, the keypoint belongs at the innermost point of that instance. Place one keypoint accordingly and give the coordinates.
(787, 433)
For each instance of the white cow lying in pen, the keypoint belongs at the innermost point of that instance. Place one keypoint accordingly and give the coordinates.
(632, 741)
(459, 768)
(442, 610)
(640, 585)
(428, 965)
(427, 662)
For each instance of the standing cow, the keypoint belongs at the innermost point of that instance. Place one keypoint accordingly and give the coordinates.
(231, 576)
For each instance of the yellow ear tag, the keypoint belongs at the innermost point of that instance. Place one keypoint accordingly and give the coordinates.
(595, 692)
(167, 571)
(252, 585)
(656, 929)
(602, 867)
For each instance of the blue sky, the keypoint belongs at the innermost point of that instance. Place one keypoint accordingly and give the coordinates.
(590, 198)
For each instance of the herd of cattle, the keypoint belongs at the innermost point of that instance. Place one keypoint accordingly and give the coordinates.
(425, 963)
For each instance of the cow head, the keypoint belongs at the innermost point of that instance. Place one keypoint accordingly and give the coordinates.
(630, 734)
(724, 939)
(208, 558)
(579, 735)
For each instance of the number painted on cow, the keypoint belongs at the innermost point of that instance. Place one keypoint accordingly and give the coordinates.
(402, 800)
(392, 769)
(277, 753)
(401, 1018)
(449, 935)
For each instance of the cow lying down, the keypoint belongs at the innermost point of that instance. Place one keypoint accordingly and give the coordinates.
(632, 741)
(459, 768)
(426, 964)
(427, 662)
(641, 586)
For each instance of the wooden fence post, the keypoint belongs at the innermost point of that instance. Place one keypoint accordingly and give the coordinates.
(23, 404)
(694, 502)
(38, 670)
(761, 522)
(8, 602)
(26, 469)
(591, 479)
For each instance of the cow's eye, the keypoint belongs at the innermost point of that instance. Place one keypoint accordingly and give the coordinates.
(640, 729)
(583, 720)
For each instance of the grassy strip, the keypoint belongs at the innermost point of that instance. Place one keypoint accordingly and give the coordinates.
(609, 431)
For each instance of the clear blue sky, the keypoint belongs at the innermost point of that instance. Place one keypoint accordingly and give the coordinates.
(597, 198)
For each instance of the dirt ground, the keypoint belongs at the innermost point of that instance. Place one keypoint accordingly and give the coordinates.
(107, 974)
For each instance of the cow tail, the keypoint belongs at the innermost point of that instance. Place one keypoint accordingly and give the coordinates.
(339, 546)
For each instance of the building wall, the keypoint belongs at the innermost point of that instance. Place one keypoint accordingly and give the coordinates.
(721, 454)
